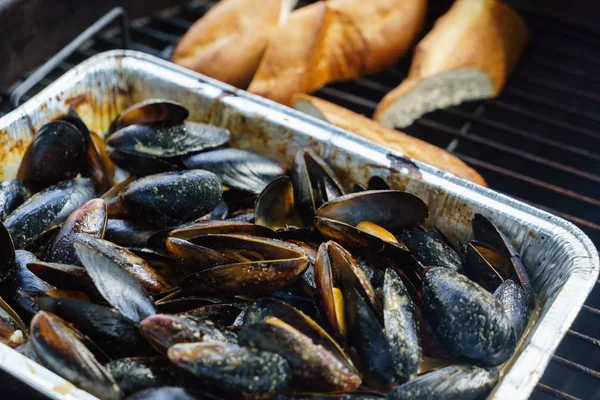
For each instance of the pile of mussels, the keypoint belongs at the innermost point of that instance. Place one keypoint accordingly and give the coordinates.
(217, 273)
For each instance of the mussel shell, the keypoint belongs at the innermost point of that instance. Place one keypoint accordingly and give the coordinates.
(456, 382)
(57, 152)
(115, 284)
(275, 207)
(65, 276)
(49, 207)
(479, 269)
(22, 285)
(314, 183)
(432, 252)
(514, 301)
(168, 140)
(40, 244)
(173, 198)
(171, 393)
(183, 304)
(164, 331)
(141, 164)
(10, 333)
(7, 254)
(96, 170)
(222, 314)
(150, 111)
(314, 368)
(133, 374)
(401, 329)
(59, 349)
(194, 258)
(128, 233)
(214, 227)
(237, 168)
(115, 334)
(485, 231)
(233, 369)
(348, 235)
(12, 194)
(89, 219)
(377, 183)
(393, 210)
(468, 320)
(365, 335)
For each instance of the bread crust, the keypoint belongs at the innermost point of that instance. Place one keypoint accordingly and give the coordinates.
(336, 40)
(407, 145)
(228, 42)
(485, 35)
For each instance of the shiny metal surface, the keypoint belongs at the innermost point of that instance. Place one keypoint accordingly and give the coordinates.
(561, 260)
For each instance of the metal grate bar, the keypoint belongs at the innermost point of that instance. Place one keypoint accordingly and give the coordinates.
(592, 310)
(584, 338)
(551, 64)
(178, 23)
(556, 393)
(155, 34)
(576, 367)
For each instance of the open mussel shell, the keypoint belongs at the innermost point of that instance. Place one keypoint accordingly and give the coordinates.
(65, 276)
(57, 140)
(314, 368)
(150, 111)
(392, 210)
(57, 347)
(133, 374)
(96, 169)
(275, 207)
(465, 382)
(49, 207)
(115, 334)
(19, 289)
(469, 321)
(167, 140)
(513, 299)
(239, 169)
(401, 329)
(173, 198)
(483, 265)
(115, 284)
(164, 330)
(128, 233)
(266, 307)
(89, 219)
(12, 333)
(485, 231)
(233, 369)
(216, 227)
(12, 194)
(223, 314)
(194, 258)
(7, 254)
(141, 164)
(431, 251)
(336, 273)
(314, 182)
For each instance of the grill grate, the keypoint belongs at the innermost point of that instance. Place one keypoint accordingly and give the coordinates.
(536, 142)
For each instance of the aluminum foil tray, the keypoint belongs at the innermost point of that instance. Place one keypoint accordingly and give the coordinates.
(562, 262)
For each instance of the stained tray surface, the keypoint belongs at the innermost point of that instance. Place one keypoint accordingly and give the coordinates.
(560, 259)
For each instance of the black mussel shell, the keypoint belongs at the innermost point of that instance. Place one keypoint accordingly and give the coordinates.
(457, 382)
(12, 194)
(468, 320)
(150, 111)
(133, 374)
(172, 393)
(128, 233)
(275, 207)
(64, 276)
(431, 251)
(49, 207)
(173, 198)
(480, 265)
(141, 164)
(514, 301)
(57, 152)
(237, 168)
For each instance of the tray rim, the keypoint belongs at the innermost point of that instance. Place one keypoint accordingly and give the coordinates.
(537, 353)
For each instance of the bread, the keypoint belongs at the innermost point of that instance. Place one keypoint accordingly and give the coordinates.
(395, 140)
(335, 40)
(468, 55)
(229, 41)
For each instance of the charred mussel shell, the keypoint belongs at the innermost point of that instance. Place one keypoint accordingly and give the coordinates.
(173, 198)
(465, 382)
(239, 169)
(166, 140)
(49, 207)
(468, 320)
(150, 111)
(233, 369)
(314, 183)
(57, 140)
(12, 194)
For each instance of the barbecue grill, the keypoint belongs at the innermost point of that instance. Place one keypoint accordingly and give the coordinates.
(536, 142)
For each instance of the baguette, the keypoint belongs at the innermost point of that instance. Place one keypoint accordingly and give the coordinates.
(335, 40)
(229, 41)
(468, 55)
(367, 128)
